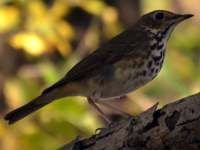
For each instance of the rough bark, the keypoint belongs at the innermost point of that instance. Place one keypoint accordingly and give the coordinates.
(176, 127)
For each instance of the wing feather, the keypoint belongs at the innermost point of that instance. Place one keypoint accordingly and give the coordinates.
(114, 50)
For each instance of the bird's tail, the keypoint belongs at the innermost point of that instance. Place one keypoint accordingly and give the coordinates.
(27, 109)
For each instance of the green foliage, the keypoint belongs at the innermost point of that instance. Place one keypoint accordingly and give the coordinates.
(52, 43)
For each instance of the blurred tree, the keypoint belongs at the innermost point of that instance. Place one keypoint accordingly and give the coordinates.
(40, 40)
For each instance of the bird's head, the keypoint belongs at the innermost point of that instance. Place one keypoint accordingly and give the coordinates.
(161, 21)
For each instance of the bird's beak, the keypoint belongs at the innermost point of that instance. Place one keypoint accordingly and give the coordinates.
(180, 18)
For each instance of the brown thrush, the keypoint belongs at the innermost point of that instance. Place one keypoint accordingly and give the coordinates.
(122, 65)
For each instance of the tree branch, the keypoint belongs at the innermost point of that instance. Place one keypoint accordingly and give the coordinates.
(176, 127)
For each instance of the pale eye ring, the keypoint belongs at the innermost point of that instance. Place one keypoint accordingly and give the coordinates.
(159, 16)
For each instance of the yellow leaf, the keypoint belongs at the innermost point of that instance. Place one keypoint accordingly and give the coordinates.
(94, 7)
(65, 29)
(30, 42)
(9, 17)
(64, 48)
(110, 15)
(59, 8)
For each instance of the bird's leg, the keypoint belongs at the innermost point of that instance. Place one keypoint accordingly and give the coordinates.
(126, 115)
(91, 102)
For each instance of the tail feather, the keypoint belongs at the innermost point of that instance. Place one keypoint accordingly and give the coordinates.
(25, 110)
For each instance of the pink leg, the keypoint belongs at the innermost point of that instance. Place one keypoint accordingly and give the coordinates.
(114, 109)
(91, 102)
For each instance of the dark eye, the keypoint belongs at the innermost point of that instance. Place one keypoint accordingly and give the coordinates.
(159, 16)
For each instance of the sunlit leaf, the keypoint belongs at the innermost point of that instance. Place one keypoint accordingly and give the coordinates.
(30, 42)
(64, 48)
(9, 18)
(59, 8)
(93, 6)
(64, 29)
(110, 15)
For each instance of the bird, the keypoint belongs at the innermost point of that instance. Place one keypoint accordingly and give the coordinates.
(122, 65)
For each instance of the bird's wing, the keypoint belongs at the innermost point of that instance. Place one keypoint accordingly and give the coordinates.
(114, 50)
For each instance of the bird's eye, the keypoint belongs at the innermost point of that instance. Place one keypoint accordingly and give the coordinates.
(159, 16)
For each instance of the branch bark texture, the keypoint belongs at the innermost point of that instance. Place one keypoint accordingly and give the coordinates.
(174, 127)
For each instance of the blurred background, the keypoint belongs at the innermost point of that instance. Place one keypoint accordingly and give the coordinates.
(40, 40)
